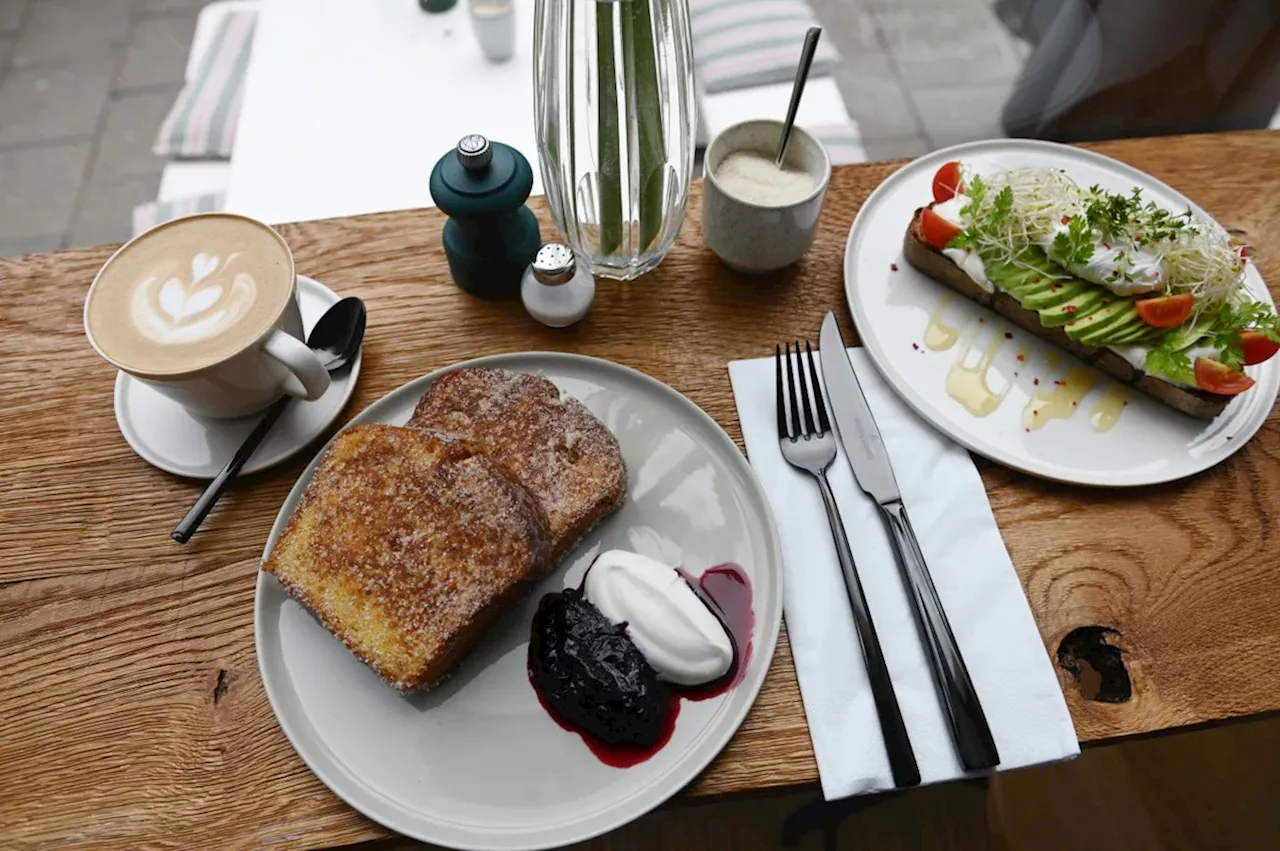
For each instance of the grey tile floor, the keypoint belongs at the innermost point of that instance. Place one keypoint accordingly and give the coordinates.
(921, 74)
(84, 85)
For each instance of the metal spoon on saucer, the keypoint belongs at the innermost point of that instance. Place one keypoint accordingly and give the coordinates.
(335, 338)
(797, 89)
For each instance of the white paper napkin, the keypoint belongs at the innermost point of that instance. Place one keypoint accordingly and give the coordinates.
(970, 567)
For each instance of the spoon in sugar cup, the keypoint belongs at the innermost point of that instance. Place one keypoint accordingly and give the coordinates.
(797, 89)
(765, 181)
(336, 339)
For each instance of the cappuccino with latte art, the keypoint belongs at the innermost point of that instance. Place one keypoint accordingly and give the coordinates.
(204, 310)
(189, 294)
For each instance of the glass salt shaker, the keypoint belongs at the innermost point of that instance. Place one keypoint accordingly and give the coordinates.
(556, 290)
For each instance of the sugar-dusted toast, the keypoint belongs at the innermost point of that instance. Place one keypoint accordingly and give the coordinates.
(408, 544)
(939, 267)
(551, 443)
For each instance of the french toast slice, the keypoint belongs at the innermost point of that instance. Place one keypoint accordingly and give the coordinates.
(552, 444)
(935, 264)
(408, 544)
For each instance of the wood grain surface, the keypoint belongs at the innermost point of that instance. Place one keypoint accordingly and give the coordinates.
(131, 711)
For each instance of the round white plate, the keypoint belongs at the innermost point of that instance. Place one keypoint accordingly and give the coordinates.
(477, 763)
(165, 435)
(1149, 442)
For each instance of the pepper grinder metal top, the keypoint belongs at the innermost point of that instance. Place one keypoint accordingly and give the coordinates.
(474, 152)
(554, 264)
(491, 236)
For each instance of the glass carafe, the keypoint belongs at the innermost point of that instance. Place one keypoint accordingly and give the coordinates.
(614, 108)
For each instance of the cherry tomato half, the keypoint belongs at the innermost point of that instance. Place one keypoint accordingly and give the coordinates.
(946, 183)
(1257, 347)
(936, 230)
(1168, 311)
(1215, 377)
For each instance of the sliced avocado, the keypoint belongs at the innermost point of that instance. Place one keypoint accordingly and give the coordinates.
(1190, 333)
(1109, 319)
(1011, 278)
(1134, 336)
(1129, 327)
(1032, 285)
(1031, 269)
(1055, 293)
(1151, 337)
(1073, 310)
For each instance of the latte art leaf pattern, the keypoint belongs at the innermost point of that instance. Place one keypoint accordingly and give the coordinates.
(174, 305)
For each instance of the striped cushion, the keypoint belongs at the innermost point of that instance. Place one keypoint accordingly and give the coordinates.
(742, 43)
(841, 141)
(147, 216)
(202, 124)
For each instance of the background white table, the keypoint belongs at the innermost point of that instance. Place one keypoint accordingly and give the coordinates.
(349, 103)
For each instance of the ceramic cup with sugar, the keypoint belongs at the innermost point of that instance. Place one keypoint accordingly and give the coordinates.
(755, 217)
(205, 310)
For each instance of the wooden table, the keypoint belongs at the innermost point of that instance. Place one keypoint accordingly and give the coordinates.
(131, 711)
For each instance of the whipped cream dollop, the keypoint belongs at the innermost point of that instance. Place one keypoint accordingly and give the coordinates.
(679, 636)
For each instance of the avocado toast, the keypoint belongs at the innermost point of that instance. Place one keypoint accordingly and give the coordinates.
(1153, 298)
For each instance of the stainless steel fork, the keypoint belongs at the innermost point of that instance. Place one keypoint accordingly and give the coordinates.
(811, 446)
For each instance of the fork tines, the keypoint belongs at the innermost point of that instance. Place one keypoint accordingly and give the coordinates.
(795, 375)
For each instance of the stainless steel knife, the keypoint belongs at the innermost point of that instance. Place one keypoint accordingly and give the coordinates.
(860, 438)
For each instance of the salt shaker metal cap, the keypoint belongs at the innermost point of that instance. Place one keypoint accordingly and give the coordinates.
(554, 264)
(474, 152)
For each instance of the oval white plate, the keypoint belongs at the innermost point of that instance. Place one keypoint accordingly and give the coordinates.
(477, 763)
(166, 435)
(1149, 443)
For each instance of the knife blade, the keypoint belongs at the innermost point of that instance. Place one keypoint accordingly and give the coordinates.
(857, 429)
(864, 449)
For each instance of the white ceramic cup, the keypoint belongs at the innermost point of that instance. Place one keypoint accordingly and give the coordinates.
(757, 238)
(494, 24)
(275, 363)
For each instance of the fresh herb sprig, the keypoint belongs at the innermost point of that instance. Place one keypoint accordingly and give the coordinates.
(1074, 246)
(1234, 319)
(1002, 206)
(1170, 359)
(1115, 214)
(982, 217)
(1111, 212)
(975, 190)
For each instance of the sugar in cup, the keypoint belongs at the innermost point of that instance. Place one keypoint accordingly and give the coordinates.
(756, 217)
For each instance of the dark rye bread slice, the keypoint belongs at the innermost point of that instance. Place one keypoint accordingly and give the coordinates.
(550, 443)
(938, 266)
(408, 545)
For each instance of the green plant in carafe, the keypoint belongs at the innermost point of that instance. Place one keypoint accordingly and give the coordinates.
(614, 109)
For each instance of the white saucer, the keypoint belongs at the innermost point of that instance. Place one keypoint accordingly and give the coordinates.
(166, 436)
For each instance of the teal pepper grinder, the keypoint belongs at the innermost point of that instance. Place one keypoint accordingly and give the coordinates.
(491, 236)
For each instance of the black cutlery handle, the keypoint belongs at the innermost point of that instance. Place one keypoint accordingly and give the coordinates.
(969, 729)
(195, 516)
(902, 759)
